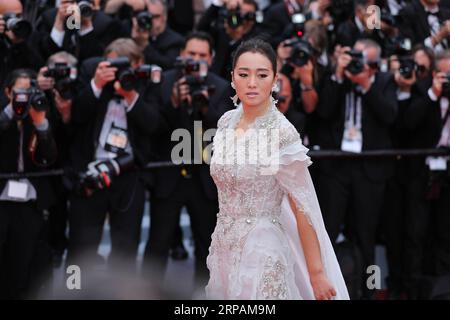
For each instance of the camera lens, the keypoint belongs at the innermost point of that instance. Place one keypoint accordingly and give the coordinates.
(144, 20)
(21, 28)
(85, 8)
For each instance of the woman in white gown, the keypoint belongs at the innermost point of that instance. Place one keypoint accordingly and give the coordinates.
(270, 241)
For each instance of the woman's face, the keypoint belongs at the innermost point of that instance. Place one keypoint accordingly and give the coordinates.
(253, 77)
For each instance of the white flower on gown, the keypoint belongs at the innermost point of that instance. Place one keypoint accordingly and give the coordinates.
(255, 251)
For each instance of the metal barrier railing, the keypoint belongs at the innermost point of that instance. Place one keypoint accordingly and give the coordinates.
(314, 154)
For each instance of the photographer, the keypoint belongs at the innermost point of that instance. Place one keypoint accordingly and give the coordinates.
(189, 93)
(428, 189)
(284, 105)
(58, 79)
(15, 50)
(161, 44)
(426, 22)
(232, 23)
(305, 61)
(280, 17)
(356, 108)
(27, 145)
(358, 27)
(57, 30)
(114, 118)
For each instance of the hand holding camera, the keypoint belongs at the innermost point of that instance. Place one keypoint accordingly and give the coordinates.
(192, 87)
(405, 76)
(14, 27)
(343, 60)
(63, 13)
(441, 84)
(104, 74)
(140, 31)
(29, 101)
(404, 84)
(180, 93)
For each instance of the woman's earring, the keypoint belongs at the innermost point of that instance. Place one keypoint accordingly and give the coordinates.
(275, 88)
(235, 97)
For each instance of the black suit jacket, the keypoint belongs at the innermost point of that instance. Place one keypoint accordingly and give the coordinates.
(414, 21)
(348, 33)
(88, 114)
(220, 102)
(106, 29)
(44, 155)
(379, 110)
(276, 19)
(423, 121)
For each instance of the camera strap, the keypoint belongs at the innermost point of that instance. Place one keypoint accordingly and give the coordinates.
(440, 163)
(352, 136)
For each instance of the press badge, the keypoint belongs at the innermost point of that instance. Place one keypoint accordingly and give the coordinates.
(17, 190)
(437, 163)
(117, 139)
(352, 140)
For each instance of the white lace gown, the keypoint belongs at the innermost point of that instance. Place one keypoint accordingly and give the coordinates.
(256, 251)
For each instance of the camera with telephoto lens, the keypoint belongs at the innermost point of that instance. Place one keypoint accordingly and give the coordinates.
(235, 18)
(21, 28)
(144, 20)
(61, 72)
(86, 9)
(23, 99)
(302, 52)
(407, 67)
(356, 65)
(195, 73)
(129, 78)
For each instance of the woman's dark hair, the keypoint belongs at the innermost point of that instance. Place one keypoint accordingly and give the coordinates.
(256, 46)
(16, 74)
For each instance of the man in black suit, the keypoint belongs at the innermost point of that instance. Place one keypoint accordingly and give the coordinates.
(26, 145)
(427, 22)
(161, 44)
(57, 31)
(357, 28)
(227, 36)
(428, 192)
(187, 185)
(15, 49)
(356, 108)
(113, 125)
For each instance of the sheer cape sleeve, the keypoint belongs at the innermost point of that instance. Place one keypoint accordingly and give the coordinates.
(294, 178)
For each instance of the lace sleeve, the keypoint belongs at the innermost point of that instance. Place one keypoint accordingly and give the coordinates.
(293, 174)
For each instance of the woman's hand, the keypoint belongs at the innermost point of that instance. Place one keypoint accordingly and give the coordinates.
(323, 290)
